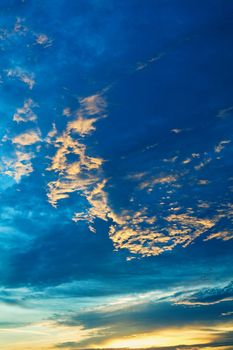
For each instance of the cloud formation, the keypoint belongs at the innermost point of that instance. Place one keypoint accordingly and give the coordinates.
(18, 166)
(26, 114)
(27, 138)
(83, 173)
(27, 78)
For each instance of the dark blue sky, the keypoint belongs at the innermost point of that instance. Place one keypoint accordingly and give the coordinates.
(116, 174)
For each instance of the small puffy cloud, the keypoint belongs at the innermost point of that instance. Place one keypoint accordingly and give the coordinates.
(203, 182)
(82, 126)
(27, 138)
(176, 131)
(94, 104)
(187, 161)
(18, 166)
(67, 112)
(43, 40)
(25, 113)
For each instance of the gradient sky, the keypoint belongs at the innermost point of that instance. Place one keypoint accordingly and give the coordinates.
(116, 177)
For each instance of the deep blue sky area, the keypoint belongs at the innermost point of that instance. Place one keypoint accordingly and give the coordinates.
(116, 179)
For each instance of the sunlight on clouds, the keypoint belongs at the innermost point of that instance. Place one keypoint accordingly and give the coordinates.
(224, 235)
(167, 337)
(82, 126)
(185, 228)
(25, 113)
(139, 231)
(27, 138)
(74, 176)
(18, 166)
(135, 230)
(41, 335)
(91, 105)
(83, 173)
(146, 237)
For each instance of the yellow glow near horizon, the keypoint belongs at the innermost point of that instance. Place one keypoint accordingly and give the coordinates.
(45, 336)
(168, 337)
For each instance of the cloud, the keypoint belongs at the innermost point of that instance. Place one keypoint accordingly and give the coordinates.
(26, 77)
(137, 230)
(89, 106)
(226, 112)
(143, 323)
(184, 228)
(18, 166)
(43, 40)
(176, 131)
(25, 114)
(228, 313)
(150, 61)
(82, 174)
(75, 176)
(82, 126)
(19, 27)
(223, 235)
(149, 184)
(27, 138)
(67, 112)
(92, 105)
(208, 296)
(221, 145)
(203, 163)
(52, 134)
(147, 236)
(43, 334)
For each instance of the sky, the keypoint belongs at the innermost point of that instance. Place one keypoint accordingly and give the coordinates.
(116, 182)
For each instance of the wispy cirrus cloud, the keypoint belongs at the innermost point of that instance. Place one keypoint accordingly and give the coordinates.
(26, 77)
(207, 296)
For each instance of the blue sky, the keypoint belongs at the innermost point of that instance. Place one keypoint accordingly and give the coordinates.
(116, 174)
